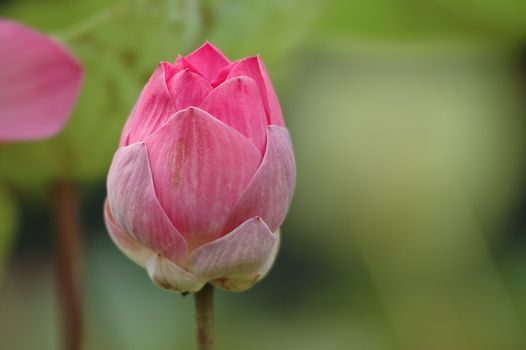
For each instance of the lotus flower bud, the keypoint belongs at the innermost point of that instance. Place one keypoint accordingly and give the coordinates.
(204, 175)
(39, 83)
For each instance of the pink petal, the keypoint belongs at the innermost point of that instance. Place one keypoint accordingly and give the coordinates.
(270, 192)
(181, 63)
(240, 256)
(134, 205)
(127, 244)
(200, 167)
(222, 76)
(187, 89)
(39, 83)
(168, 275)
(153, 108)
(237, 102)
(254, 68)
(208, 60)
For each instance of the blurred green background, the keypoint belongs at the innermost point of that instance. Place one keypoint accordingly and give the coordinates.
(408, 228)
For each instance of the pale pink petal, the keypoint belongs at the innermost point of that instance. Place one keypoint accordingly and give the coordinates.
(239, 256)
(208, 60)
(254, 68)
(153, 108)
(187, 89)
(237, 102)
(200, 167)
(39, 83)
(238, 283)
(168, 275)
(134, 205)
(126, 243)
(270, 192)
(265, 268)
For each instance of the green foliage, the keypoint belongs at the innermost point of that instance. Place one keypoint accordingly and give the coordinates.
(487, 20)
(7, 226)
(498, 20)
(410, 160)
(268, 27)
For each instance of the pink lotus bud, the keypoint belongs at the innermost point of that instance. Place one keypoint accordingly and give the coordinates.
(39, 83)
(204, 175)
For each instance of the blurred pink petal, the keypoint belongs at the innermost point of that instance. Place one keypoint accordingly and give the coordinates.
(205, 165)
(239, 255)
(270, 192)
(208, 60)
(254, 68)
(138, 212)
(39, 83)
(237, 102)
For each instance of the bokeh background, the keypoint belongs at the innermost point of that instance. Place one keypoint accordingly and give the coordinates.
(407, 230)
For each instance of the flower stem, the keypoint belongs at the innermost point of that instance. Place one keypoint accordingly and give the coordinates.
(66, 263)
(204, 316)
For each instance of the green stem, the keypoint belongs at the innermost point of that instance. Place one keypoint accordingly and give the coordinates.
(204, 316)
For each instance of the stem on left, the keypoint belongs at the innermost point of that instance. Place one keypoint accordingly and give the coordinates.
(67, 259)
